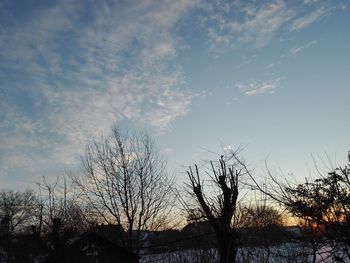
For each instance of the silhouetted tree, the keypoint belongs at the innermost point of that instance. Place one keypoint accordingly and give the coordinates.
(323, 203)
(261, 216)
(125, 181)
(261, 226)
(219, 208)
(313, 237)
(59, 200)
(19, 208)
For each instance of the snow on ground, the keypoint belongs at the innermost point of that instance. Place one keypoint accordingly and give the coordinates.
(282, 253)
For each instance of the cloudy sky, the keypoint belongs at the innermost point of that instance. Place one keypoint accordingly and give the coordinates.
(270, 75)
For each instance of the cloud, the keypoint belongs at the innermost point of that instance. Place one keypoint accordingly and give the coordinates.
(234, 24)
(73, 69)
(259, 25)
(293, 52)
(260, 87)
(310, 1)
(270, 66)
(307, 20)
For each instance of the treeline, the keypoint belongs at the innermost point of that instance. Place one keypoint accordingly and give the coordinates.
(124, 182)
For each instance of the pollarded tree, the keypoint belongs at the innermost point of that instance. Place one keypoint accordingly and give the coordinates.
(219, 208)
(125, 182)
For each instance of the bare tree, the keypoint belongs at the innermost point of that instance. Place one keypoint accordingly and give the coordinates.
(125, 182)
(323, 203)
(18, 208)
(59, 200)
(219, 208)
(261, 216)
(260, 228)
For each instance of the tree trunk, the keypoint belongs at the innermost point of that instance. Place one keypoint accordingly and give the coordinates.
(226, 247)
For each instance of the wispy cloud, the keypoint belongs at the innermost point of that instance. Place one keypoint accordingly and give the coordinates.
(293, 52)
(310, 1)
(71, 69)
(307, 20)
(259, 25)
(260, 87)
(81, 68)
(239, 23)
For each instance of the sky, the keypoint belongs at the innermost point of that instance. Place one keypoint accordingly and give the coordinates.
(200, 75)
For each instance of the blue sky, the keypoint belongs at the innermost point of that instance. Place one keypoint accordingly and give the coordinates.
(272, 76)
